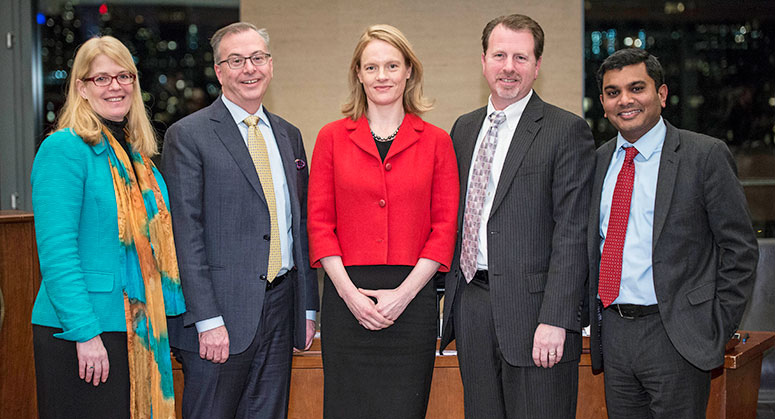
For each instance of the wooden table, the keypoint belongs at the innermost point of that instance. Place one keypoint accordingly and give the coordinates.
(734, 388)
(446, 399)
(733, 392)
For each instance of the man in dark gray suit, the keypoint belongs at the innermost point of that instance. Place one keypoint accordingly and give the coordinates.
(514, 295)
(672, 253)
(237, 181)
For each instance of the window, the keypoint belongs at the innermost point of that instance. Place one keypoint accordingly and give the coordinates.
(170, 43)
(719, 59)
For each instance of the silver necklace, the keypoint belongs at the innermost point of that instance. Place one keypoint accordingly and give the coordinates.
(384, 139)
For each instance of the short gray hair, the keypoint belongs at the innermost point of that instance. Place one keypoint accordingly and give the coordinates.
(236, 27)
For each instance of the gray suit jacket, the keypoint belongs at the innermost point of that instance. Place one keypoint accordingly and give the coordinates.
(221, 225)
(537, 260)
(704, 249)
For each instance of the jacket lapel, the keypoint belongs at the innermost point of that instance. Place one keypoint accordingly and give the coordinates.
(226, 130)
(603, 160)
(361, 136)
(407, 135)
(286, 154)
(668, 170)
(465, 139)
(526, 132)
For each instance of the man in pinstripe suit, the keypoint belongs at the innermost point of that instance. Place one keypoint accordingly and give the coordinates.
(513, 298)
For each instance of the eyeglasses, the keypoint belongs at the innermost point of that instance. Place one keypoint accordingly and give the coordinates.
(236, 62)
(103, 80)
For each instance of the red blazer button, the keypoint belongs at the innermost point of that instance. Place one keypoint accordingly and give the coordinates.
(382, 203)
(388, 166)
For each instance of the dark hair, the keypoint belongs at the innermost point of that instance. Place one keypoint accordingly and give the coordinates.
(236, 27)
(632, 56)
(516, 22)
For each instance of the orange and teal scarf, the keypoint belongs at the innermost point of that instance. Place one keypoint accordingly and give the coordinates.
(152, 288)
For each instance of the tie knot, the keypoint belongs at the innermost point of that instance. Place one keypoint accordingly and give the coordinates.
(497, 117)
(251, 121)
(631, 152)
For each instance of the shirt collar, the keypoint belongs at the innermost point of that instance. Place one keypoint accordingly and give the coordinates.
(240, 114)
(650, 143)
(514, 111)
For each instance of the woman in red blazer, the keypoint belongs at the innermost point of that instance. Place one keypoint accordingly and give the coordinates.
(383, 203)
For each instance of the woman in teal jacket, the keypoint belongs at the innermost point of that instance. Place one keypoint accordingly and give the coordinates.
(106, 251)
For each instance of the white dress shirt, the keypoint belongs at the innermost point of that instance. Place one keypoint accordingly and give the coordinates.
(505, 134)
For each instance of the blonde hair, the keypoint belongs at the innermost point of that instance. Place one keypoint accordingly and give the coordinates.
(414, 101)
(79, 115)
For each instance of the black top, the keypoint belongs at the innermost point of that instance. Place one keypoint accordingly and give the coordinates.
(117, 130)
(383, 148)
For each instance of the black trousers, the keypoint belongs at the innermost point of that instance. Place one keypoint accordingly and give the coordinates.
(645, 377)
(253, 384)
(62, 394)
(495, 389)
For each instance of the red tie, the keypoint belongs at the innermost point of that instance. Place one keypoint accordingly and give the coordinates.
(611, 259)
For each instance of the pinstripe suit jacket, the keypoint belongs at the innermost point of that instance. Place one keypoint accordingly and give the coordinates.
(537, 259)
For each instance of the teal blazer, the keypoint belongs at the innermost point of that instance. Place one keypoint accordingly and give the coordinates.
(82, 266)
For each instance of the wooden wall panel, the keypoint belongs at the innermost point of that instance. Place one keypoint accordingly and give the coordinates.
(19, 282)
(312, 43)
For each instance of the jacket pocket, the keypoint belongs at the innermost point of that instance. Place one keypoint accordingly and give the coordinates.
(536, 282)
(99, 281)
(701, 294)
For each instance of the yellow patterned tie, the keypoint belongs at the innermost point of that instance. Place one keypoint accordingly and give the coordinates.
(257, 149)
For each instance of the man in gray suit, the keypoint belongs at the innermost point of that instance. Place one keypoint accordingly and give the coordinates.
(237, 181)
(672, 253)
(514, 295)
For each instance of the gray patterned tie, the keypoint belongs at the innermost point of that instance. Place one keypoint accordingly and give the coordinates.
(477, 187)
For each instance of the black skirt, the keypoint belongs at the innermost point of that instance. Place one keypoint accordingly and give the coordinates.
(377, 374)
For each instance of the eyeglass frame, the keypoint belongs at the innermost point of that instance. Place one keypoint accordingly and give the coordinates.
(264, 55)
(131, 76)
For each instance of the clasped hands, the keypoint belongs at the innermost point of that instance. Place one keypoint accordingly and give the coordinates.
(389, 305)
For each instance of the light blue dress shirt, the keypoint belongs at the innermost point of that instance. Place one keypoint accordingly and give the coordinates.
(282, 199)
(637, 284)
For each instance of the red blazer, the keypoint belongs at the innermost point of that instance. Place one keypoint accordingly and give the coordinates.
(394, 212)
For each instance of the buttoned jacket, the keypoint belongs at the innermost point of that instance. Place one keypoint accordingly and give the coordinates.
(391, 212)
(536, 229)
(82, 264)
(704, 250)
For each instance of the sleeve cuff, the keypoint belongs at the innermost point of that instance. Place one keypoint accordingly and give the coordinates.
(208, 324)
(82, 333)
(312, 315)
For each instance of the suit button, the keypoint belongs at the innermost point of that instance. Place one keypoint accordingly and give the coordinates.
(262, 277)
(382, 203)
(388, 167)
(266, 237)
